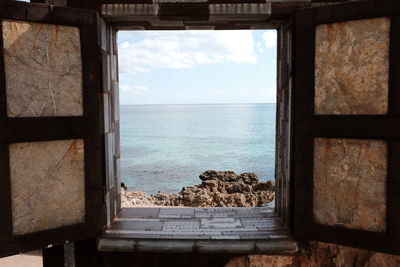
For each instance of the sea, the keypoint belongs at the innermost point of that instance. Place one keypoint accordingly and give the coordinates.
(167, 147)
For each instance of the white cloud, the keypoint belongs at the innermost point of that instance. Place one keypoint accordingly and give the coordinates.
(270, 38)
(179, 50)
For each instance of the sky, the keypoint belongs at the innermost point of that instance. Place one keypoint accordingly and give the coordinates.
(197, 67)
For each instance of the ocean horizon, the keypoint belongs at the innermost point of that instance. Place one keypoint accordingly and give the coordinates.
(165, 147)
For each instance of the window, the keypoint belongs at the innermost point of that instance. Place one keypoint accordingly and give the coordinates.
(168, 224)
(193, 101)
(313, 129)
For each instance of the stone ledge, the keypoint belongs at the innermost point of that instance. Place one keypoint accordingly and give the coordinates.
(280, 247)
(198, 230)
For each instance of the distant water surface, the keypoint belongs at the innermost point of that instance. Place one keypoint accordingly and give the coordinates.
(167, 147)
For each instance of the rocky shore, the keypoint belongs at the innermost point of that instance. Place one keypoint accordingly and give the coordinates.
(217, 189)
(245, 190)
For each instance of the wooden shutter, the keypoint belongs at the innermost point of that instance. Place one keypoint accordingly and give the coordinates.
(51, 142)
(347, 125)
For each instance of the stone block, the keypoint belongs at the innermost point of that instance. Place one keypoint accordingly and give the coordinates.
(259, 222)
(116, 245)
(47, 185)
(140, 212)
(43, 69)
(129, 9)
(240, 9)
(350, 183)
(225, 223)
(179, 225)
(146, 225)
(224, 237)
(352, 67)
(165, 246)
(106, 113)
(176, 213)
(233, 246)
(281, 247)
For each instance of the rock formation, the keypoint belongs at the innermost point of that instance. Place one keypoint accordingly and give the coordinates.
(228, 189)
(218, 189)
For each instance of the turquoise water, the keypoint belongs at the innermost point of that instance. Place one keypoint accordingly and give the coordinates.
(166, 147)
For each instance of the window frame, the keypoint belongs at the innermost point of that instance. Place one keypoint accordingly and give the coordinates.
(170, 15)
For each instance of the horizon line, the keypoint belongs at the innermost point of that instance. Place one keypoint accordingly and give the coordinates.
(145, 104)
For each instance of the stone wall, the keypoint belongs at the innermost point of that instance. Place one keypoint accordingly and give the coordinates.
(316, 254)
(313, 254)
(109, 53)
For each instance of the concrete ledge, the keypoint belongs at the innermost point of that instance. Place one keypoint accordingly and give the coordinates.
(274, 247)
(197, 230)
(199, 14)
(139, 10)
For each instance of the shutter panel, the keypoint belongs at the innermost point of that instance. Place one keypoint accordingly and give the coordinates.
(347, 125)
(51, 146)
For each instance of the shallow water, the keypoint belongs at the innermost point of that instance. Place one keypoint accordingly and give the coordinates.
(166, 147)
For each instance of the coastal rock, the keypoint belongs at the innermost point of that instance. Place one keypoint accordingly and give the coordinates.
(213, 191)
(218, 189)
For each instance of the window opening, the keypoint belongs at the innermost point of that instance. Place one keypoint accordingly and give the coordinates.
(197, 104)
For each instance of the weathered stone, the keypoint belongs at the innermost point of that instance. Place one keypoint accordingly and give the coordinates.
(317, 254)
(352, 67)
(249, 177)
(218, 189)
(240, 9)
(212, 184)
(131, 10)
(235, 188)
(225, 176)
(264, 186)
(180, 225)
(350, 183)
(47, 185)
(223, 223)
(43, 69)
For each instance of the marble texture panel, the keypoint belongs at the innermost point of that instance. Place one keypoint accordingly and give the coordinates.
(350, 183)
(43, 69)
(352, 67)
(47, 185)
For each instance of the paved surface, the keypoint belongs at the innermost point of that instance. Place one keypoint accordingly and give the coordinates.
(197, 229)
(33, 259)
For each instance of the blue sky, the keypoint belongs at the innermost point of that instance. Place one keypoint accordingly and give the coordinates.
(197, 67)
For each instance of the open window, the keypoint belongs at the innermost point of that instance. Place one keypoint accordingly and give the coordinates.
(197, 103)
(346, 115)
(337, 122)
(184, 229)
